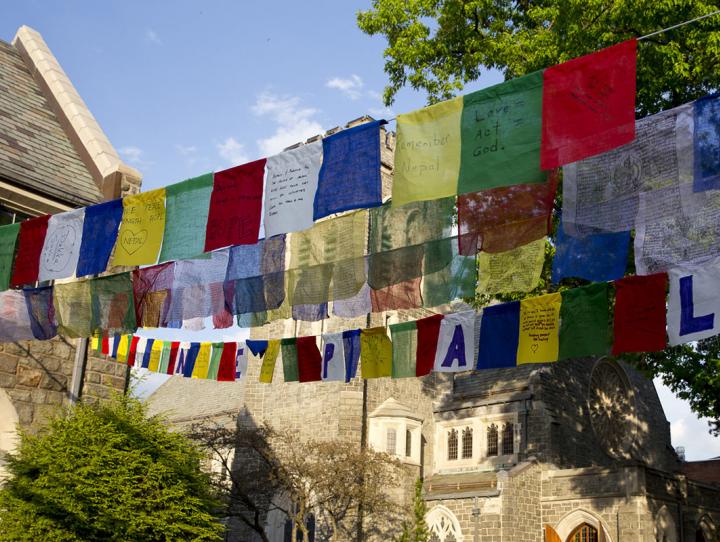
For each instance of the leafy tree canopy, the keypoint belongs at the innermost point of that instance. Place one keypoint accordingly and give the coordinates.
(107, 472)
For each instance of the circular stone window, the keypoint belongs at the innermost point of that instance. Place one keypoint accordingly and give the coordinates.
(611, 403)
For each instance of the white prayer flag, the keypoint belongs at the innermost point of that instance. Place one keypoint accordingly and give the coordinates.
(694, 303)
(61, 249)
(241, 361)
(456, 343)
(333, 358)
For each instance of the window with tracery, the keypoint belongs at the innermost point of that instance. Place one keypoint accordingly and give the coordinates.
(391, 441)
(452, 445)
(584, 533)
(508, 445)
(408, 443)
(467, 442)
(443, 526)
(492, 440)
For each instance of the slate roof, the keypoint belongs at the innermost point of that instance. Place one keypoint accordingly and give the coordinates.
(35, 152)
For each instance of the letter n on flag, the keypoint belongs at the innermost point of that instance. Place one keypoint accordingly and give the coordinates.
(588, 105)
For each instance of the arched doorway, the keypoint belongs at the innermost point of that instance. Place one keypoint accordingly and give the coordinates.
(443, 525)
(583, 533)
(8, 429)
(582, 526)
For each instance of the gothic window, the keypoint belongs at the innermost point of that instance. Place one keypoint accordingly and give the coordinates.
(611, 406)
(391, 441)
(443, 525)
(467, 445)
(508, 447)
(408, 443)
(309, 524)
(452, 445)
(492, 440)
(584, 533)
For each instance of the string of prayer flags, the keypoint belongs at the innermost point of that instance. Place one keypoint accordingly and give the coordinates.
(290, 186)
(73, 310)
(61, 249)
(427, 153)
(501, 129)
(516, 270)
(290, 359)
(30, 241)
(349, 177)
(639, 319)
(351, 347)
(113, 309)
(456, 343)
(538, 340)
(706, 142)
(41, 311)
(141, 229)
(235, 206)
(376, 351)
(309, 360)
(693, 303)
(15, 322)
(100, 230)
(428, 332)
(333, 358)
(8, 242)
(596, 257)
(499, 336)
(585, 322)
(588, 105)
(404, 349)
(187, 205)
(268, 365)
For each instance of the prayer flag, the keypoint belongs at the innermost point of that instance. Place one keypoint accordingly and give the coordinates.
(640, 318)
(428, 331)
(516, 270)
(105, 342)
(404, 295)
(706, 144)
(73, 308)
(427, 153)
(456, 343)
(257, 348)
(115, 344)
(95, 343)
(693, 303)
(165, 357)
(588, 105)
(539, 329)
(350, 173)
(376, 353)
(290, 186)
(268, 365)
(585, 322)
(145, 347)
(30, 243)
(150, 292)
(191, 355)
(100, 229)
(202, 362)
(155, 353)
(61, 249)
(333, 358)
(235, 206)
(141, 230)
(289, 359)
(113, 309)
(8, 242)
(404, 347)
(132, 353)
(172, 361)
(186, 216)
(41, 311)
(309, 360)
(215, 356)
(456, 280)
(14, 319)
(226, 370)
(501, 133)
(123, 348)
(241, 362)
(499, 336)
(351, 347)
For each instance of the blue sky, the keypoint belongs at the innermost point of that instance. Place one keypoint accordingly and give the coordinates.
(182, 88)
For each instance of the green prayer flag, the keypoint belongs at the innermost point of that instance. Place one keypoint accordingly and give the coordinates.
(215, 355)
(8, 239)
(113, 308)
(501, 129)
(288, 347)
(584, 322)
(456, 280)
(404, 344)
(186, 211)
(165, 357)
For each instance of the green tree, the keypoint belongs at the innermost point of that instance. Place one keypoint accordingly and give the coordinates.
(107, 472)
(438, 46)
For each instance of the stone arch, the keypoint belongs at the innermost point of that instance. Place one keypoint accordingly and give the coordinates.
(443, 525)
(707, 527)
(577, 517)
(8, 429)
(666, 529)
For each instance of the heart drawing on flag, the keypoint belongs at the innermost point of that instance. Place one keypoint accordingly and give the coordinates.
(131, 242)
(534, 348)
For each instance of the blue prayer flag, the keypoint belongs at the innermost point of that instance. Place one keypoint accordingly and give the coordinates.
(100, 230)
(351, 345)
(40, 307)
(190, 358)
(706, 144)
(499, 334)
(257, 347)
(146, 354)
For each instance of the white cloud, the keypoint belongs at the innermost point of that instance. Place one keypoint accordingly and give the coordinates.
(294, 122)
(351, 87)
(152, 36)
(132, 154)
(232, 151)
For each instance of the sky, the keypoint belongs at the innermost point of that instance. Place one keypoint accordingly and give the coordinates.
(182, 88)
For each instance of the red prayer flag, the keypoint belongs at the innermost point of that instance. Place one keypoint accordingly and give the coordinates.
(226, 370)
(30, 244)
(132, 351)
(309, 359)
(174, 347)
(588, 105)
(403, 295)
(640, 314)
(235, 206)
(428, 330)
(105, 345)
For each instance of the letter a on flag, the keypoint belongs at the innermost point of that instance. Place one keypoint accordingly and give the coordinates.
(456, 343)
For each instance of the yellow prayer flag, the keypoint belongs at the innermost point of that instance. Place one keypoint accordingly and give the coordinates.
(427, 153)
(141, 230)
(539, 329)
(95, 343)
(202, 363)
(123, 347)
(268, 365)
(375, 353)
(155, 352)
(516, 270)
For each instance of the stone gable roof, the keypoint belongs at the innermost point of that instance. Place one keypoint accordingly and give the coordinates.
(35, 151)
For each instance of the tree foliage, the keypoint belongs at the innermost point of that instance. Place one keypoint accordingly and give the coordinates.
(438, 46)
(417, 529)
(107, 472)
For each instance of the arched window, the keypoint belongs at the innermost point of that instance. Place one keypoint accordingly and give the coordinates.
(408, 443)
(443, 525)
(467, 445)
(508, 445)
(391, 441)
(452, 445)
(584, 533)
(492, 440)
